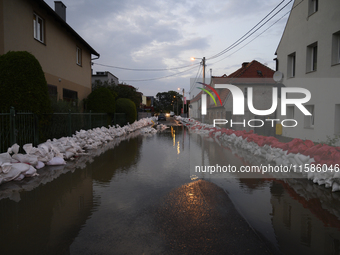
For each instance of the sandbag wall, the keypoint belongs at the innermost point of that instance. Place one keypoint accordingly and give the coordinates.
(16, 166)
(317, 162)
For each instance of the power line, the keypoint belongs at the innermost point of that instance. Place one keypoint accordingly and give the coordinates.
(145, 69)
(240, 40)
(260, 33)
(163, 77)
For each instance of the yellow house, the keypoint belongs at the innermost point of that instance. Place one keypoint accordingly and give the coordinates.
(65, 57)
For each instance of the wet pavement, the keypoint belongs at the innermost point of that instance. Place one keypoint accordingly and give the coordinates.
(199, 218)
(136, 195)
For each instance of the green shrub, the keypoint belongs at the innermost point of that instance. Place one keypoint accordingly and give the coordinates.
(22, 83)
(127, 106)
(62, 106)
(101, 100)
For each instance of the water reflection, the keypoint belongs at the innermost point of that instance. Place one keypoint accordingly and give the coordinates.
(106, 202)
(295, 215)
(47, 218)
(43, 215)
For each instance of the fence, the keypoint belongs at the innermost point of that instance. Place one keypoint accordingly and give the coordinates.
(25, 127)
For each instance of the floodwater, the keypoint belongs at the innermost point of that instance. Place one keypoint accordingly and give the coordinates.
(107, 202)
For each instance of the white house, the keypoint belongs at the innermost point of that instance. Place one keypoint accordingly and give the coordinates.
(105, 77)
(308, 56)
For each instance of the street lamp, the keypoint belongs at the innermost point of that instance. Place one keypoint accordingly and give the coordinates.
(183, 99)
(203, 63)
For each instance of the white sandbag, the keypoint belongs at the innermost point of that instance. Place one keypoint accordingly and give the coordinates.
(69, 154)
(16, 170)
(5, 168)
(22, 167)
(19, 178)
(303, 158)
(56, 161)
(30, 172)
(335, 187)
(5, 158)
(14, 149)
(298, 160)
(28, 148)
(25, 158)
(39, 165)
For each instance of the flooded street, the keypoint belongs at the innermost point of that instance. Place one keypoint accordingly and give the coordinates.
(138, 196)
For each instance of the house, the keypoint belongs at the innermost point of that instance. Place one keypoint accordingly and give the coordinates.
(308, 56)
(105, 77)
(65, 57)
(251, 74)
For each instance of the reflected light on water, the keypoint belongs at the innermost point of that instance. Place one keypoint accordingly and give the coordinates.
(178, 148)
(173, 136)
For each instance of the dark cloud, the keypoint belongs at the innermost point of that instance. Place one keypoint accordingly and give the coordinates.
(166, 33)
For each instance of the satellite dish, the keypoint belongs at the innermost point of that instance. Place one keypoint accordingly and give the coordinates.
(278, 76)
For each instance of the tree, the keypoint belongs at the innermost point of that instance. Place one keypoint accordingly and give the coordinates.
(169, 101)
(130, 92)
(127, 106)
(101, 100)
(22, 83)
(120, 91)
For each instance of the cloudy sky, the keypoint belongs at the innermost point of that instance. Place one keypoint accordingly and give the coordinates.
(165, 34)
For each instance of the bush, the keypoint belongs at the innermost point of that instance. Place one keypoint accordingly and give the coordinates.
(22, 83)
(127, 106)
(101, 100)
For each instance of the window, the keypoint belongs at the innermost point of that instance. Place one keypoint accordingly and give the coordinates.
(309, 119)
(290, 112)
(337, 119)
(312, 57)
(70, 95)
(52, 90)
(38, 28)
(336, 48)
(79, 57)
(313, 6)
(291, 65)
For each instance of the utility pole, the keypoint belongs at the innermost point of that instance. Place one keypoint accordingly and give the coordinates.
(203, 94)
(183, 102)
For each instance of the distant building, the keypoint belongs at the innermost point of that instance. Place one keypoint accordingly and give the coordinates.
(308, 56)
(105, 77)
(148, 103)
(250, 74)
(65, 57)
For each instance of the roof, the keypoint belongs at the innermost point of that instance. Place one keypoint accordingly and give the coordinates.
(63, 23)
(250, 73)
(284, 31)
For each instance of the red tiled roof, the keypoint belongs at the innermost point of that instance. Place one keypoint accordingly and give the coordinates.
(253, 72)
(254, 69)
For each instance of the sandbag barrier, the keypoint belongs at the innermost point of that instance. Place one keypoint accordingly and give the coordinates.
(16, 166)
(317, 162)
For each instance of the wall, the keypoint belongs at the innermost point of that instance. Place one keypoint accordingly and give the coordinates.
(57, 55)
(302, 30)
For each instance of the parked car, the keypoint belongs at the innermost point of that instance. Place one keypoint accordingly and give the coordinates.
(161, 116)
(172, 114)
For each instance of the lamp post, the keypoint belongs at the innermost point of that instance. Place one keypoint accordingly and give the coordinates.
(203, 63)
(182, 100)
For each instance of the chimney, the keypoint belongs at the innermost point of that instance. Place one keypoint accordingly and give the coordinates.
(60, 9)
(244, 64)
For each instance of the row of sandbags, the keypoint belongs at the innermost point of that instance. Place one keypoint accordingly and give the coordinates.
(16, 166)
(13, 189)
(317, 162)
